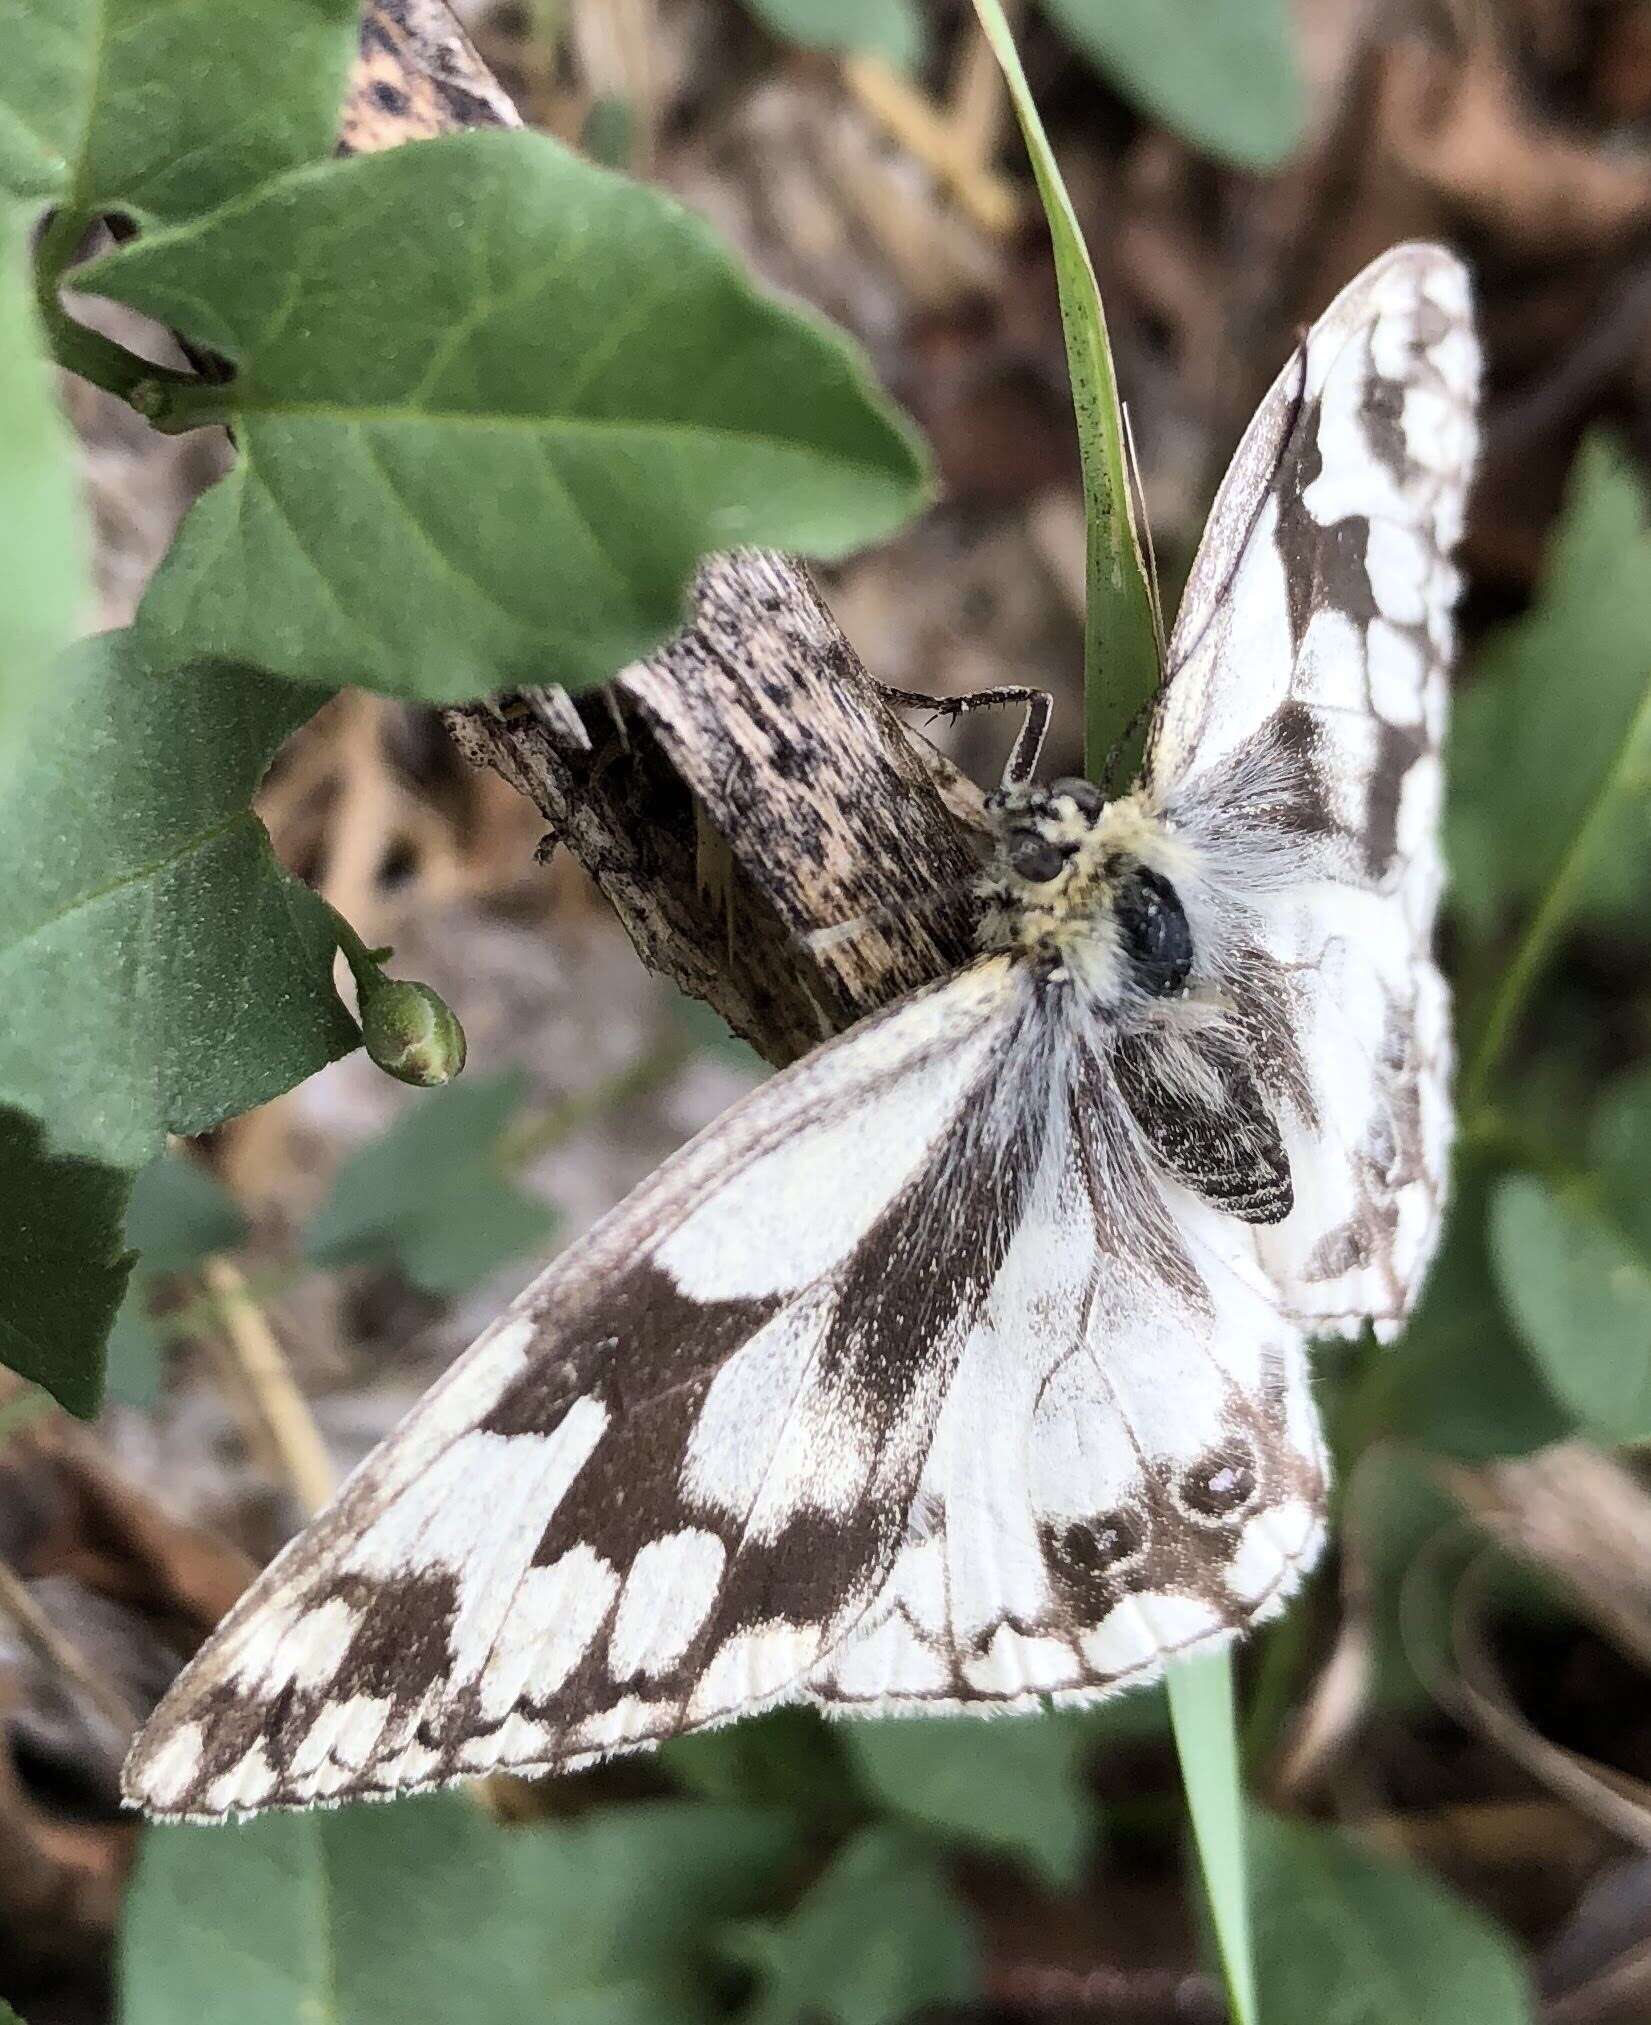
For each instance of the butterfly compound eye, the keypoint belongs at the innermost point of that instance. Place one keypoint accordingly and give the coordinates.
(1036, 859)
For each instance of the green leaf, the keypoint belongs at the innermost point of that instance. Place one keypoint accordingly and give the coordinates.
(426, 1912)
(1206, 1741)
(1222, 73)
(510, 479)
(1460, 1381)
(892, 29)
(1363, 1940)
(876, 1938)
(1011, 1784)
(179, 1214)
(165, 107)
(1579, 1289)
(1620, 1148)
(41, 530)
(430, 1194)
(1120, 656)
(63, 1263)
(1550, 757)
(158, 968)
(159, 971)
(134, 1352)
(791, 1757)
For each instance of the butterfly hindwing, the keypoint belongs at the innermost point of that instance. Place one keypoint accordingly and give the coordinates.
(667, 1480)
(1128, 1465)
(1298, 745)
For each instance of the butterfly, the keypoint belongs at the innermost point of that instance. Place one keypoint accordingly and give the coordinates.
(963, 1365)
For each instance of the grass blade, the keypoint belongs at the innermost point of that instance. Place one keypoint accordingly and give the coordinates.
(1121, 664)
(1121, 674)
(1202, 1714)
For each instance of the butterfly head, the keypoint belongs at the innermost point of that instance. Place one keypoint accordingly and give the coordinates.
(1092, 882)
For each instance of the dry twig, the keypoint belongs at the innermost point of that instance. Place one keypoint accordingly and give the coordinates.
(261, 1386)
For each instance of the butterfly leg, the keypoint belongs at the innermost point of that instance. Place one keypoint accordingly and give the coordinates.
(1037, 703)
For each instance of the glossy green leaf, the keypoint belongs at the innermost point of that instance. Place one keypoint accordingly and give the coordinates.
(1578, 1286)
(1120, 656)
(41, 530)
(892, 29)
(427, 1912)
(159, 970)
(1201, 1709)
(1410, 1543)
(63, 1263)
(1345, 1935)
(1551, 745)
(877, 1937)
(430, 1194)
(165, 107)
(510, 479)
(1222, 73)
(1014, 1785)
(134, 1351)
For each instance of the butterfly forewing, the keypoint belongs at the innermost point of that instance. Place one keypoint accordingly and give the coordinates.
(667, 1480)
(1299, 742)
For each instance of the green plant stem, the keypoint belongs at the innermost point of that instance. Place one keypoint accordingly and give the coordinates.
(364, 962)
(87, 353)
(1548, 922)
(1121, 675)
(1203, 1716)
(1121, 661)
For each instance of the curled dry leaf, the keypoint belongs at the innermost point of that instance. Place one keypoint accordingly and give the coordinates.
(1480, 1696)
(1583, 1519)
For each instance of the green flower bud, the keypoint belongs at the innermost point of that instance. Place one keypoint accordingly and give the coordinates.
(410, 1032)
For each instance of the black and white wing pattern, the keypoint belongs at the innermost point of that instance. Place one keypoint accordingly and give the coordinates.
(662, 1485)
(1298, 745)
(965, 1363)
(1128, 1465)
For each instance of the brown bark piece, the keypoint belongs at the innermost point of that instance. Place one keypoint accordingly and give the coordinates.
(746, 786)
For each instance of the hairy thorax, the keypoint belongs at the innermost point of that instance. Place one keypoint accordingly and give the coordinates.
(1090, 885)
